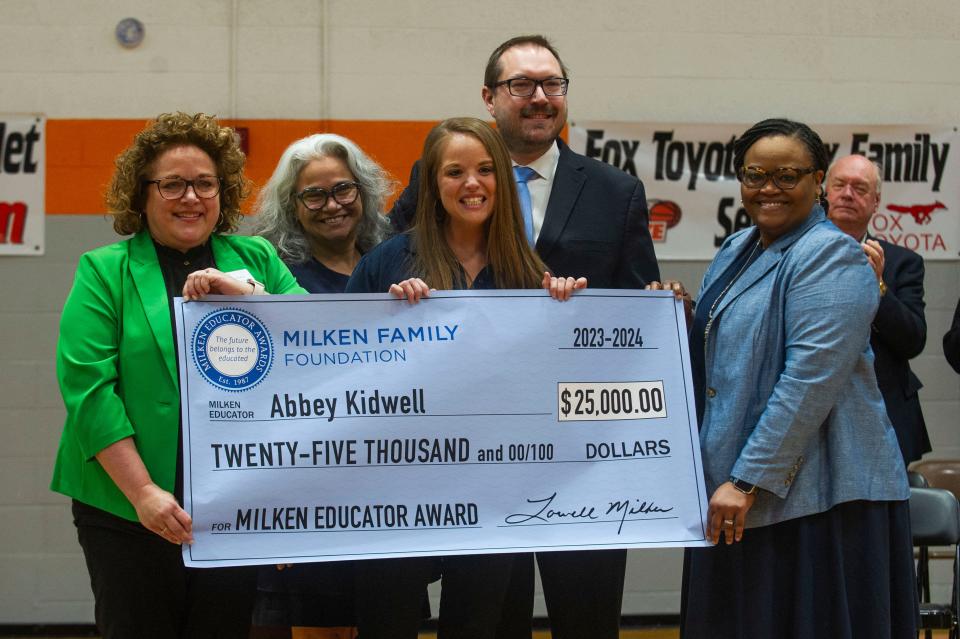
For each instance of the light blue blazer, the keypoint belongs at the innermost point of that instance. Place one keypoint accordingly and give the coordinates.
(791, 402)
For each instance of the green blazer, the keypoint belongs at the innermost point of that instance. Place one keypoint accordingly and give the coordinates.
(116, 365)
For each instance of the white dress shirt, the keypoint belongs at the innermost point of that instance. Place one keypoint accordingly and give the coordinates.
(546, 168)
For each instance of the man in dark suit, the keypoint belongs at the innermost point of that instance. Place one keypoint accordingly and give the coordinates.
(588, 219)
(951, 341)
(899, 328)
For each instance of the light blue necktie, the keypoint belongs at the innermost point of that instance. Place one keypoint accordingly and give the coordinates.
(523, 174)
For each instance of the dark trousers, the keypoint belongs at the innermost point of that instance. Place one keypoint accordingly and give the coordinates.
(516, 614)
(473, 592)
(389, 594)
(472, 595)
(142, 589)
(583, 591)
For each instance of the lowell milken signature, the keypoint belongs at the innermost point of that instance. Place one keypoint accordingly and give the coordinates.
(622, 507)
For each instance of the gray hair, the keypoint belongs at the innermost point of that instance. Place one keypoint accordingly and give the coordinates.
(276, 217)
(877, 167)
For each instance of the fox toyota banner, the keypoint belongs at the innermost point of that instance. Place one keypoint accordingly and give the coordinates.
(694, 197)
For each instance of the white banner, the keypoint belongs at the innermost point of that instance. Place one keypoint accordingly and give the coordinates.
(326, 427)
(694, 197)
(22, 174)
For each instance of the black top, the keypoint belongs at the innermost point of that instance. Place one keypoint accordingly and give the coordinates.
(317, 278)
(176, 266)
(392, 262)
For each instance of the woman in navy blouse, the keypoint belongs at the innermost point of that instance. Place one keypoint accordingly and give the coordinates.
(321, 209)
(468, 233)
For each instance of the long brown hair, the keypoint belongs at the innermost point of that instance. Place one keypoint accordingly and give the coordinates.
(514, 263)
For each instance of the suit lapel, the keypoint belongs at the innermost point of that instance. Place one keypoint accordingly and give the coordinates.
(768, 260)
(722, 260)
(567, 184)
(148, 280)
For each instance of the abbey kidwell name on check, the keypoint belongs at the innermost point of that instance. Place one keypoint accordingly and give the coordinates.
(355, 402)
(348, 427)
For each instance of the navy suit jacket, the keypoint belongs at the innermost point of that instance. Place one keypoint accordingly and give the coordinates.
(951, 341)
(899, 334)
(595, 224)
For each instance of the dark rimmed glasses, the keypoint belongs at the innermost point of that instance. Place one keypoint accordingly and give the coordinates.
(315, 198)
(525, 87)
(785, 177)
(173, 188)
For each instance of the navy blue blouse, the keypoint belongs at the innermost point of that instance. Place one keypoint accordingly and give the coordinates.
(317, 278)
(392, 262)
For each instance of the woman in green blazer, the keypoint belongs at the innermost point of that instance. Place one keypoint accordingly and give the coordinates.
(176, 189)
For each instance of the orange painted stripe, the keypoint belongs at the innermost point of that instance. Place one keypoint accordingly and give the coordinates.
(80, 153)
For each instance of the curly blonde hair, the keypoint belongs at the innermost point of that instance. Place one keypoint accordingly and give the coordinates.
(126, 194)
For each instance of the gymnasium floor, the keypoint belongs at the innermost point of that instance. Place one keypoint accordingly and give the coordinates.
(660, 633)
(652, 633)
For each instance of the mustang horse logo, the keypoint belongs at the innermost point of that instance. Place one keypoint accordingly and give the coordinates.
(919, 212)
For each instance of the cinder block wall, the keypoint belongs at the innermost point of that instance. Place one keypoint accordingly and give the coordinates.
(862, 61)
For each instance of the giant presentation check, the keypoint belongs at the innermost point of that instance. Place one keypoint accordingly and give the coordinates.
(325, 427)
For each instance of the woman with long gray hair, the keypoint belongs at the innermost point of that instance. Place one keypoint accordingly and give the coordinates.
(321, 209)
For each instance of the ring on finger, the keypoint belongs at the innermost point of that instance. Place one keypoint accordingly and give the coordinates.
(727, 522)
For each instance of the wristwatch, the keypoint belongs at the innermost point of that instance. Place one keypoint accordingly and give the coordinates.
(742, 486)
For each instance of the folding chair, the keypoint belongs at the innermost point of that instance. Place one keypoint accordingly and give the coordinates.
(935, 520)
(940, 473)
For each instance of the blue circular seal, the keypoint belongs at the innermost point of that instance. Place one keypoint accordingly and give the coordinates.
(232, 349)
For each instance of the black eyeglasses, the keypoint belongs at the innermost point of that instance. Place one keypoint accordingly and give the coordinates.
(525, 87)
(315, 198)
(173, 188)
(785, 177)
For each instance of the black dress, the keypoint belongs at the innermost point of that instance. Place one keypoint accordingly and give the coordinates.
(314, 594)
(846, 573)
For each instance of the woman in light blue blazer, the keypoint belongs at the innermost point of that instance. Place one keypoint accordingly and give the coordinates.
(808, 492)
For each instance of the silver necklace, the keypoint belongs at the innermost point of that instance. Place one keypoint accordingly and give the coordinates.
(713, 307)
